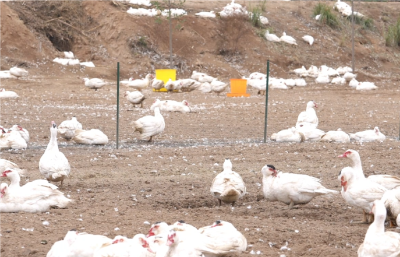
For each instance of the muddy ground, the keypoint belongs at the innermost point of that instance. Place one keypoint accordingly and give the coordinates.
(171, 177)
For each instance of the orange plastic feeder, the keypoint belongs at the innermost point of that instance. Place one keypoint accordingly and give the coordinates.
(238, 88)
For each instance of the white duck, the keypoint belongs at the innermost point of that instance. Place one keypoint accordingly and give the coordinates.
(288, 135)
(349, 76)
(288, 39)
(387, 181)
(228, 186)
(391, 199)
(308, 117)
(353, 83)
(85, 245)
(289, 188)
(302, 72)
(272, 37)
(210, 14)
(359, 191)
(225, 237)
(67, 128)
(377, 242)
(188, 85)
(157, 84)
(259, 83)
(336, 136)
(61, 248)
(309, 39)
(205, 87)
(322, 79)
(171, 106)
(159, 228)
(135, 97)
(172, 85)
(125, 247)
(150, 126)
(5, 74)
(6, 165)
(35, 196)
(18, 72)
(23, 132)
(196, 75)
(180, 245)
(69, 54)
(140, 84)
(300, 82)
(205, 78)
(53, 164)
(310, 133)
(338, 81)
(7, 94)
(368, 135)
(90, 137)
(366, 86)
(94, 83)
(218, 86)
(12, 140)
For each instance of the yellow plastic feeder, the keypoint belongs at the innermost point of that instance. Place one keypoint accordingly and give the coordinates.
(238, 88)
(165, 75)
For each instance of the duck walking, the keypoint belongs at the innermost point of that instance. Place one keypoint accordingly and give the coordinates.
(289, 188)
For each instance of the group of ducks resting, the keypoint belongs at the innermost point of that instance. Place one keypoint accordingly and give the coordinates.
(177, 240)
(38, 195)
(17, 137)
(376, 195)
(306, 130)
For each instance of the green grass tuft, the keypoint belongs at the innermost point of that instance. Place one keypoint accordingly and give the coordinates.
(365, 23)
(327, 16)
(393, 34)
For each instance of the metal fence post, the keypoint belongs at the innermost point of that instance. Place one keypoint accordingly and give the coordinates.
(266, 104)
(117, 104)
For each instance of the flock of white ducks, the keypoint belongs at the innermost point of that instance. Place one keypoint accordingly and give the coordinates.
(36, 196)
(14, 138)
(306, 130)
(162, 240)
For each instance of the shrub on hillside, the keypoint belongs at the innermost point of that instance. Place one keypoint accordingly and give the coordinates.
(393, 34)
(365, 23)
(327, 16)
(60, 21)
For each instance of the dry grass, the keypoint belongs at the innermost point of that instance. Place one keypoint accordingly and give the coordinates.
(59, 21)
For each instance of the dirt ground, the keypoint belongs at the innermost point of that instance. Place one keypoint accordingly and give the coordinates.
(116, 190)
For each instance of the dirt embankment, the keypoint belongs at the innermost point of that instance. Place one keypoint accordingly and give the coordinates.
(104, 33)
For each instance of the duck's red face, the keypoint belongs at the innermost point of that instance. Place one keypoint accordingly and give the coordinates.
(345, 155)
(171, 238)
(20, 128)
(4, 174)
(274, 172)
(3, 192)
(343, 183)
(144, 243)
(152, 230)
(117, 241)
